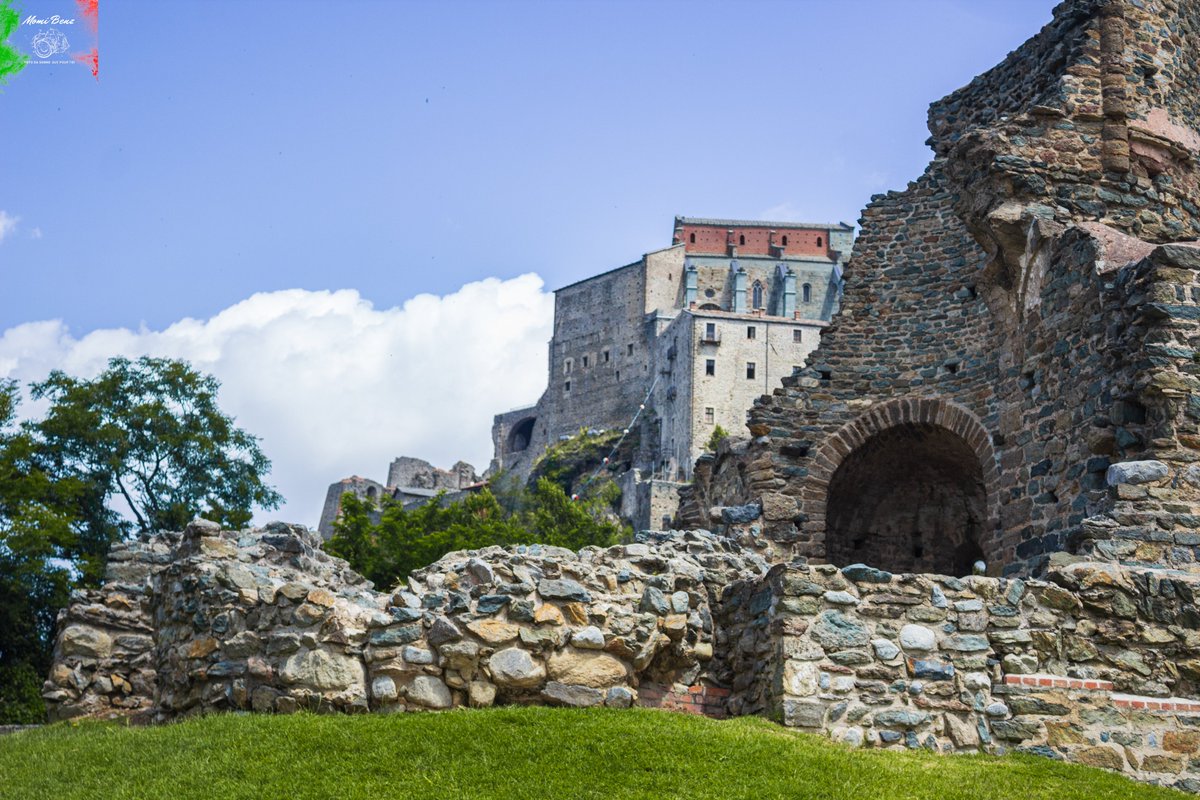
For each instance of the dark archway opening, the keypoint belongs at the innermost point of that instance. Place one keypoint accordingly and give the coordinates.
(909, 499)
(521, 435)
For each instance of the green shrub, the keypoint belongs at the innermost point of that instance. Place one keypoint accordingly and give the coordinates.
(21, 696)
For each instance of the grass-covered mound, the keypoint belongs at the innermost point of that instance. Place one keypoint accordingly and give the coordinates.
(511, 752)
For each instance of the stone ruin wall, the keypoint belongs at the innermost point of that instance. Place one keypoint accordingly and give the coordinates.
(1011, 303)
(1095, 664)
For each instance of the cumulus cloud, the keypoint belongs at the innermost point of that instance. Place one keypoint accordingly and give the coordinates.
(333, 385)
(8, 224)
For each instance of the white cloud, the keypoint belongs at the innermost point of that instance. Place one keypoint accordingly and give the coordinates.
(36, 233)
(332, 385)
(8, 224)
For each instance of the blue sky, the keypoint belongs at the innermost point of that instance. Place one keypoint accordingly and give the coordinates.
(232, 152)
(397, 148)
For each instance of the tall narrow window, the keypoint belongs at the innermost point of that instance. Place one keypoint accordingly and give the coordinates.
(750, 369)
(585, 362)
(757, 295)
(807, 293)
(797, 336)
(785, 240)
(742, 239)
(818, 241)
(567, 386)
(710, 366)
(692, 238)
(751, 331)
(709, 414)
(604, 356)
(630, 351)
(710, 331)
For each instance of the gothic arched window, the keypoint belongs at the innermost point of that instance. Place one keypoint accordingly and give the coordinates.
(807, 293)
(758, 295)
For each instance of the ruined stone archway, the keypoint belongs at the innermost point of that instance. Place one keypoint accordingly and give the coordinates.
(909, 487)
(521, 435)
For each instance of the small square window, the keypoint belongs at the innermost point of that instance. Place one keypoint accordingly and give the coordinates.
(750, 369)
(751, 331)
(710, 366)
(797, 335)
(709, 415)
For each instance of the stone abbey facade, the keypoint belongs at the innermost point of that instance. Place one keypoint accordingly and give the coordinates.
(1013, 378)
(412, 481)
(690, 335)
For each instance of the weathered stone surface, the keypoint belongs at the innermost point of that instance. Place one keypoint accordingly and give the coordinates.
(569, 695)
(564, 589)
(1136, 472)
(834, 630)
(429, 691)
(515, 668)
(85, 641)
(918, 638)
(326, 670)
(586, 668)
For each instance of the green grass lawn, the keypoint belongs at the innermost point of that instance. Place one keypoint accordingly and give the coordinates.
(510, 752)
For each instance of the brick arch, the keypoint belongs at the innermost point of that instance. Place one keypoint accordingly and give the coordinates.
(936, 413)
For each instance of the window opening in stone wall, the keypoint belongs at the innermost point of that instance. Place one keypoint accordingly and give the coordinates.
(710, 414)
(630, 351)
(710, 367)
(807, 292)
(567, 386)
(750, 332)
(372, 493)
(709, 293)
(909, 499)
(818, 241)
(568, 365)
(750, 369)
(742, 239)
(797, 336)
(692, 238)
(758, 295)
(825, 374)
(585, 362)
(618, 374)
(604, 356)
(710, 331)
(785, 240)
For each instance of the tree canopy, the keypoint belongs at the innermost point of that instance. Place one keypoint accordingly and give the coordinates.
(141, 447)
(386, 543)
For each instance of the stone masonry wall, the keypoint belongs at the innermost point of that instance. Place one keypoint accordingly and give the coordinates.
(1099, 663)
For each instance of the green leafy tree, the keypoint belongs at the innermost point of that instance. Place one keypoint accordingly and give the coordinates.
(39, 542)
(386, 543)
(147, 435)
(719, 435)
(150, 433)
